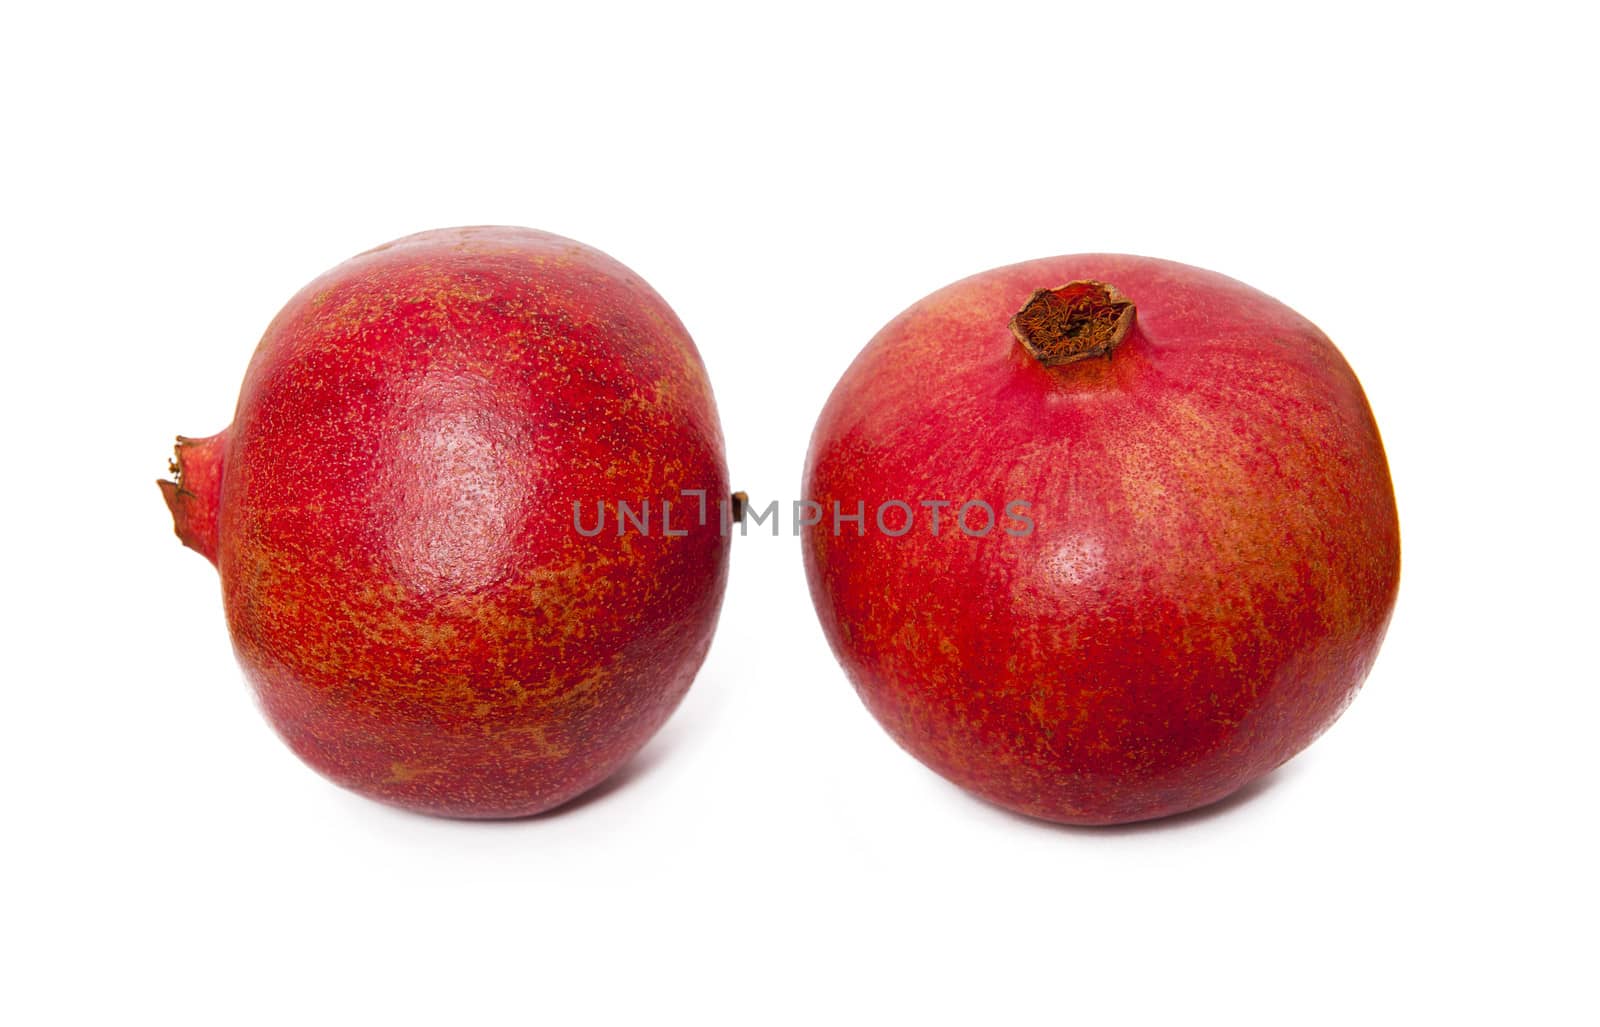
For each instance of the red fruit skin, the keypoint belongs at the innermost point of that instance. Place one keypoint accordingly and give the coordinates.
(392, 515)
(1214, 561)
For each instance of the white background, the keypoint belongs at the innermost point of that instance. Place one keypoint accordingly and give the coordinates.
(1419, 182)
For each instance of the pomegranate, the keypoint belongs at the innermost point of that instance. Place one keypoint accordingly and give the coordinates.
(394, 515)
(1104, 538)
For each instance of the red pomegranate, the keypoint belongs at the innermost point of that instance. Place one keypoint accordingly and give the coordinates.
(395, 515)
(1167, 551)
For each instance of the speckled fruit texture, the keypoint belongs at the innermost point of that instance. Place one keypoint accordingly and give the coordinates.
(392, 515)
(1214, 554)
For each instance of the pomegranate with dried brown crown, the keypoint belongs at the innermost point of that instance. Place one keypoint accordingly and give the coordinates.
(394, 513)
(1103, 538)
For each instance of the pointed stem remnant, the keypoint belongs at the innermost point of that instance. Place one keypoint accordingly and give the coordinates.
(195, 496)
(1073, 322)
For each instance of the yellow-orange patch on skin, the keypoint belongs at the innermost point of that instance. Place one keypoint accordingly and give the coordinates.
(532, 740)
(400, 773)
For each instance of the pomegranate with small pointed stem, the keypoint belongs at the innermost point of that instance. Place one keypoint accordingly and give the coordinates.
(393, 513)
(1198, 553)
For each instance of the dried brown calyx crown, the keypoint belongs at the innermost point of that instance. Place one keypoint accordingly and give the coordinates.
(1073, 322)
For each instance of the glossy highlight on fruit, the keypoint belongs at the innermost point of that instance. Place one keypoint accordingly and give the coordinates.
(1213, 555)
(392, 515)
